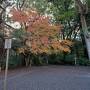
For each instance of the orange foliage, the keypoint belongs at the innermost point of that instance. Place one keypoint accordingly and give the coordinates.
(43, 35)
(19, 16)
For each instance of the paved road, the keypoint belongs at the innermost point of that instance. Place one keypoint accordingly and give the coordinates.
(48, 78)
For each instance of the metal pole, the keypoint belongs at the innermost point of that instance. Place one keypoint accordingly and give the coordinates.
(75, 58)
(6, 70)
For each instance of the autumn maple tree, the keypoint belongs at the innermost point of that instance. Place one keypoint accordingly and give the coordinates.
(42, 36)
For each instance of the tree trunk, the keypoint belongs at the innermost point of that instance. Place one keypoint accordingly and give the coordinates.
(86, 35)
(84, 45)
(82, 10)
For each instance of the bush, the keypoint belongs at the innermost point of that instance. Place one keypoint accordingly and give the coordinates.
(56, 59)
(69, 59)
(15, 61)
(3, 64)
(37, 60)
(83, 61)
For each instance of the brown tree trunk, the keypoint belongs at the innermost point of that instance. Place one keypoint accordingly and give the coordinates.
(82, 10)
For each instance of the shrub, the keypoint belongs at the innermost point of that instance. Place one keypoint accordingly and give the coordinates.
(37, 60)
(56, 59)
(15, 61)
(69, 59)
(83, 61)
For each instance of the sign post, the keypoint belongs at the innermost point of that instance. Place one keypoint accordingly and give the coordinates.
(75, 60)
(7, 46)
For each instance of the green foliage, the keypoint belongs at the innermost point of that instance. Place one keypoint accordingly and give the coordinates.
(38, 60)
(18, 38)
(88, 2)
(40, 5)
(56, 59)
(18, 33)
(64, 12)
(65, 9)
(69, 59)
(2, 64)
(83, 61)
(67, 15)
(14, 61)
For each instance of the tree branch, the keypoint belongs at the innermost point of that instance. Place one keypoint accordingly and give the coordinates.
(81, 7)
(9, 26)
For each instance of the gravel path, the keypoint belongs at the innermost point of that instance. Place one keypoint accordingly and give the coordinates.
(48, 78)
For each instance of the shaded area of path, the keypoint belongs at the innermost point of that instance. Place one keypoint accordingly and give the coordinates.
(48, 78)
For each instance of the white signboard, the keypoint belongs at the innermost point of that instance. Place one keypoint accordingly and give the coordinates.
(8, 43)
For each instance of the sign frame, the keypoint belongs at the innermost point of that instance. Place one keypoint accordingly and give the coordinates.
(8, 42)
